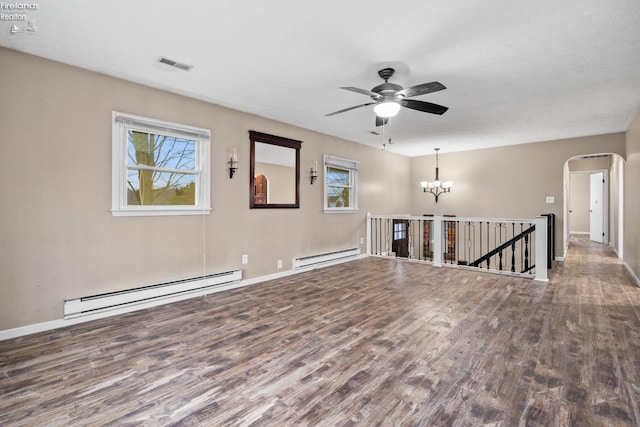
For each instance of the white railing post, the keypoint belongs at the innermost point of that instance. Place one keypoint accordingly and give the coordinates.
(541, 249)
(438, 236)
(368, 233)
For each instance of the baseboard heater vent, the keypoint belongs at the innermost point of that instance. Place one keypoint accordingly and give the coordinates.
(147, 294)
(325, 258)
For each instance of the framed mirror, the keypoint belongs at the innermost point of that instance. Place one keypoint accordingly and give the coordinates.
(274, 170)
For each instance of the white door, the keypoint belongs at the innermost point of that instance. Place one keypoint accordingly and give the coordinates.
(596, 208)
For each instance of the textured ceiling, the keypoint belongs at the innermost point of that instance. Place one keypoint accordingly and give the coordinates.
(515, 71)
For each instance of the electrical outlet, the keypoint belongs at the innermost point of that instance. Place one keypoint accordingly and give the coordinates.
(362, 240)
(245, 259)
(279, 263)
(551, 199)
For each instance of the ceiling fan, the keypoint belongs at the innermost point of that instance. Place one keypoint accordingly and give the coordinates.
(389, 97)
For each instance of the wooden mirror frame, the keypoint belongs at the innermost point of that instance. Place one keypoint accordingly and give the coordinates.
(265, 138)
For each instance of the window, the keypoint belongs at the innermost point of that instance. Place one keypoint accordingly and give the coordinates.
(159, 168)
(340, 185)
(400, 230)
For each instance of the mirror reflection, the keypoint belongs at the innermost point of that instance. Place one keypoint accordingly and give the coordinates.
(275, 172)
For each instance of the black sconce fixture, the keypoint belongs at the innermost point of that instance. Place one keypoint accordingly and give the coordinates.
(232, 161)
(314, 171)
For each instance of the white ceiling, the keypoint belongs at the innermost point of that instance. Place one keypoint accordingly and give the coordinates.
(515, 71)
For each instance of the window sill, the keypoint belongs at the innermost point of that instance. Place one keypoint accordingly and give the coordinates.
(341, 211)
(160, 212)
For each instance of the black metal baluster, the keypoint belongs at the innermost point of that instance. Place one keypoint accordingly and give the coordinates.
(471, 243)
(513, 257)
(526, 252)
(488, 245)
(521, 249)
(513, 248)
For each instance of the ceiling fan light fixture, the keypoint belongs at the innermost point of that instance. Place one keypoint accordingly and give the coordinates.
(386, 109)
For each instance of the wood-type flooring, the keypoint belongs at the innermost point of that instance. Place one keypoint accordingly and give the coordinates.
(370, 342)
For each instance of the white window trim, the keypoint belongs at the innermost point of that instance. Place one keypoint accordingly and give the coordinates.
(352, 166)
(120, 123)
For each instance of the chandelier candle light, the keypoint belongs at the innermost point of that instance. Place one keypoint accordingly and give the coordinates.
(436, 187)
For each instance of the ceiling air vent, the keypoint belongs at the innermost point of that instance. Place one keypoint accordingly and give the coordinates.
(171, 62)
(594, 156)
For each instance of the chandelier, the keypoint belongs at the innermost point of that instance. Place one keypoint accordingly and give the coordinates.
(436, 187)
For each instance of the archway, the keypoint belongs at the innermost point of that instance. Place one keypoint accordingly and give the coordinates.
(613, 166)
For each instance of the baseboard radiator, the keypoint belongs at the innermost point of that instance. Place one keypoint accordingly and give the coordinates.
(327, 257)
(147, 294)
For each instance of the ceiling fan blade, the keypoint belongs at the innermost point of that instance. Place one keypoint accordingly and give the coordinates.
(421, 89)
(426, 107)
(363, 91)
(348, 109)
(381, 121)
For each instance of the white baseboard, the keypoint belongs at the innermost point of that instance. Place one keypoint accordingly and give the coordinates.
(61, 323)
(632, 273)
(559, 258)
(579, 232)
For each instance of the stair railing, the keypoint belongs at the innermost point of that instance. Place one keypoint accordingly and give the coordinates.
(509, 246)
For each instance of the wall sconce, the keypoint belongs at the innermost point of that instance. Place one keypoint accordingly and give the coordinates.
(314, 171)
(232, 156)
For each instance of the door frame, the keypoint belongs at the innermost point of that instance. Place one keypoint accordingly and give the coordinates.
(605, 193)
(615, 222)
(604, 208)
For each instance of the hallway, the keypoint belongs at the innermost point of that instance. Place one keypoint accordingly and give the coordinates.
(593, 350)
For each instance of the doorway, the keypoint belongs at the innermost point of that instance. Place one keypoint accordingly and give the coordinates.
(608, 217)
(400, 243)
(261, 186)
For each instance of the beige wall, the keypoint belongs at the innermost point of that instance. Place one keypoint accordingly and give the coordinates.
(58, 238)
(507, 182)
(632, 197)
